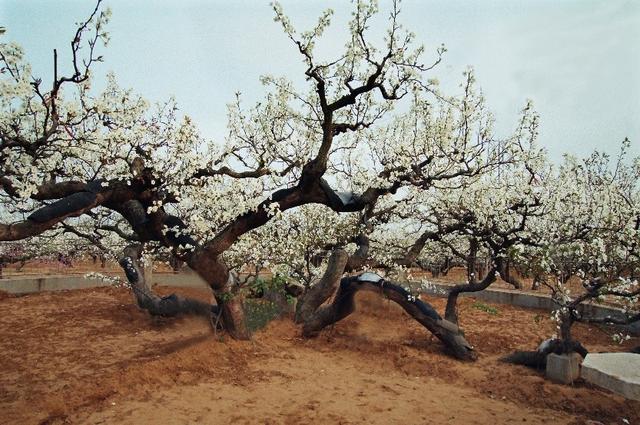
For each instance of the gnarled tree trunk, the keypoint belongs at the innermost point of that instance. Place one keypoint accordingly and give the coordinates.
(343, 304)
(213, 270)
(317, 294)
(451, 310)
(504, 268)
(169, 306)
(538, 359)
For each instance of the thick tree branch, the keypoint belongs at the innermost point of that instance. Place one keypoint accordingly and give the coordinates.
(169, 306)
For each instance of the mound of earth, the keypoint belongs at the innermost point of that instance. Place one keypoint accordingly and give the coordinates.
(90, 356)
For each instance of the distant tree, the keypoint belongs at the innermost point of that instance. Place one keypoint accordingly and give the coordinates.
(587, 247)
(596, 241)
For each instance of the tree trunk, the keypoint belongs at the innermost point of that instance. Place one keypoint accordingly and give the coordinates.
(538, 359)
(537, 281)
(448, 265)
(169, 306)
(566, 321)
(232, 306)
(481, 270)
(563, 345)
(343, 304)
(317, 294)
(360, 258)
(504, 268)
(471, 260)
(214, 271)
(451, 310)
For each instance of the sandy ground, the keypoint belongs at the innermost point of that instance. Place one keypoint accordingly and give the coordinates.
(90, 356)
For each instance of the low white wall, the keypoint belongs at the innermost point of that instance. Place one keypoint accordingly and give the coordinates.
(529, 300)
(28, 285)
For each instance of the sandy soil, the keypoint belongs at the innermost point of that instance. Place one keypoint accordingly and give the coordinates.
(90, 356)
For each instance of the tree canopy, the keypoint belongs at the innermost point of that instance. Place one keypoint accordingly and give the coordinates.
(369, 156)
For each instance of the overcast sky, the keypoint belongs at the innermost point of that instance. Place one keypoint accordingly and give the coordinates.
(579, 61)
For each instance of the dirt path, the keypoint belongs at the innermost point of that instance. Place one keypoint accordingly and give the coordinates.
(90, 356)
(312, 387)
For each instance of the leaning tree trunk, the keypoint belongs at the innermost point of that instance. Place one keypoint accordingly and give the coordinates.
(213, 270)
(169, 306)
(343, 304)
(317, 294)
(504, 268)
(451, 310)
(207, 262)
(538, 359)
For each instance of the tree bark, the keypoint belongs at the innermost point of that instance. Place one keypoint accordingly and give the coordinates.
(169, 306)
(317, 294)
(472, 259)
(231, 305)
(214, 271)
(537, 281)
(504, 268)
(343, 304)
(565, 327)
(451, 310)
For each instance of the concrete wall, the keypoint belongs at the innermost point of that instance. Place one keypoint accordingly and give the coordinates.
(28, 285)
(529, 300)
(184, 279)
(21, 286)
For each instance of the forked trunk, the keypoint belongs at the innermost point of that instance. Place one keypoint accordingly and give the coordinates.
(343, 304)
(227, 314)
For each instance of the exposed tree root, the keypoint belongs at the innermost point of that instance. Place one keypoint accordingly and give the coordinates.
(538, 359)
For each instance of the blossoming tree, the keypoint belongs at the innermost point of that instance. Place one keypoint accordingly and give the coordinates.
(586, 247)
(109, 163)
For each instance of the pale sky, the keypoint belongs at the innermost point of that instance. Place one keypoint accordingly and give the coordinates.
(579, 61)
